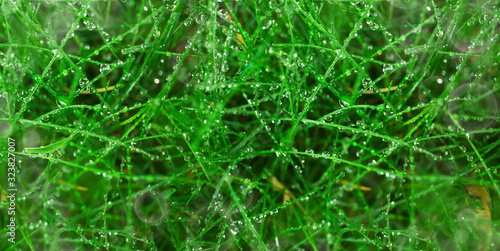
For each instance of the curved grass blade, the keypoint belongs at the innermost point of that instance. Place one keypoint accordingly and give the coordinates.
(52, 147)
(139, 113)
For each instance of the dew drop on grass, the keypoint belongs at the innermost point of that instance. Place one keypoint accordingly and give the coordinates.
(83, 82)
(386, 68)
(366, 81)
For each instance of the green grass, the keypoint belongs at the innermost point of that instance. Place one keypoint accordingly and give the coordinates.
(199, 118)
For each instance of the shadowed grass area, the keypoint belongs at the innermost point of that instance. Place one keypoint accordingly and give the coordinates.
(251, 125)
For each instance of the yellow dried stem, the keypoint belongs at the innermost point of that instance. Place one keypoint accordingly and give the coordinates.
(382, 90)
(99, 90)
(79, 188)
(362, 188)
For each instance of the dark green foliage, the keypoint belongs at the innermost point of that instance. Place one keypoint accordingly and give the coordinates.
(197, 119)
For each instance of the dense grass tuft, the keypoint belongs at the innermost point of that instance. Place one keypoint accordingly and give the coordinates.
(251, 125)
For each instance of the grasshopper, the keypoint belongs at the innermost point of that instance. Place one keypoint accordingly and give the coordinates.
(52, 147)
